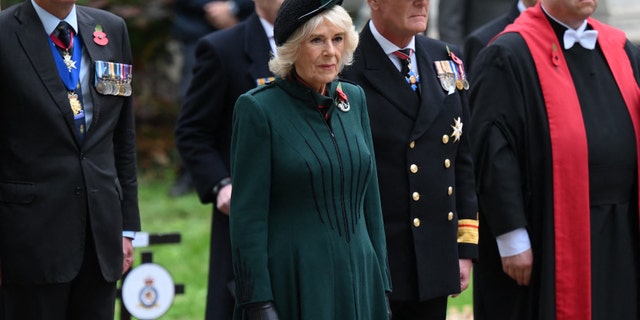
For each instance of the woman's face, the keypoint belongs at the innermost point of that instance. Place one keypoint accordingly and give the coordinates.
(320, 54)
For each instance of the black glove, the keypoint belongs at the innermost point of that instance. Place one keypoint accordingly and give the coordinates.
(261, 311)
(386, 299)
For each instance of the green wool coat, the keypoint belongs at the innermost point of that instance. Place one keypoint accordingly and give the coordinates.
(306, 222)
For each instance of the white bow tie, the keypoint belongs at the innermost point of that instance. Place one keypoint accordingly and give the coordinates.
(587, 38)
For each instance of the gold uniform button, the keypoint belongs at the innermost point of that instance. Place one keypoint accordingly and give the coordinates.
(447, 163)
(412, 144)
(413, 168)
(450, 216)
(415, 196)
(416, 222)
(450, 190)
(445, 139)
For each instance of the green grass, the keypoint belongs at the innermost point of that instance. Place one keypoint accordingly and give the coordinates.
(188, 261)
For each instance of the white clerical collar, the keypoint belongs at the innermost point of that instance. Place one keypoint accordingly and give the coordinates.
(580, 29)
(521, 6)
(50, 22)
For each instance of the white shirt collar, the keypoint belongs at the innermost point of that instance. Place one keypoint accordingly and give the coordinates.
(268, 30)
(50, 22)
(521, 6)
(387, 45)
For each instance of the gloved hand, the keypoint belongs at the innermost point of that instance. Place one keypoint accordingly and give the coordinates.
(261, 311)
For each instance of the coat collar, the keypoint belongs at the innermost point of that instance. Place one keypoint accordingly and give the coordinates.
(385, 78)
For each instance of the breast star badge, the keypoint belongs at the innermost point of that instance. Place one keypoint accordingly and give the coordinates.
(457, 129)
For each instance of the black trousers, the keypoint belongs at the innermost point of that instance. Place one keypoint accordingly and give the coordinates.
(433, 309)
(88, 296)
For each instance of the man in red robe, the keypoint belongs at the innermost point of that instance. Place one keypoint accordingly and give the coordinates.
(555, 130)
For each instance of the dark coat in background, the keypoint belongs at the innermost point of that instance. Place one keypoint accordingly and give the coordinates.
(229, 63)
(479, 38)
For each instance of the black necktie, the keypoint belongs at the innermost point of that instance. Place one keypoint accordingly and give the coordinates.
(405, 61)
(64, 32)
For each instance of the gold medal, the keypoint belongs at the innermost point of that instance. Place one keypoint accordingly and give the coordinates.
(459, 84)
(76, 106)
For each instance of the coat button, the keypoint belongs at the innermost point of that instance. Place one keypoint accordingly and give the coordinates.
(412, 144)
(450, 216)
(450, 190)
(416, 222)
(447, 163)
(445, 139)
(413, 168)
(415, 196)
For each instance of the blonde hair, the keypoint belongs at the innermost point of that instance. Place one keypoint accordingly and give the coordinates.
(282, 64)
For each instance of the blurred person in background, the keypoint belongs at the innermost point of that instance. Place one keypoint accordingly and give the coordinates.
(458, 18)
(424, 162)
(479, 38)
(193, 19)
(306, 224)
(228, 63)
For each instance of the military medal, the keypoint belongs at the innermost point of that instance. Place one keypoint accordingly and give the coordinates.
(68, 62)
(76, 106)
(457, 129)
(113, 78)
(459, 67)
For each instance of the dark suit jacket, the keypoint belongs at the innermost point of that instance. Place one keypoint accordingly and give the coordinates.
(421, 233)
(229, 63)
(50, 185)
(479, 38)
(458, 18)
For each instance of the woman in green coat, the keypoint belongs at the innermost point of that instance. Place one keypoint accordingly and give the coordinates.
(306, 224)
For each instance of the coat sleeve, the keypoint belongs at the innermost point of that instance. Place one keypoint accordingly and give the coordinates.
(198, 133)
(249, 216)
(124, 148)
(466, 198)
(498, 131)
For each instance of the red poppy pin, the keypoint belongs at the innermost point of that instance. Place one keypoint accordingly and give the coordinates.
(343, 101)
(99, 37)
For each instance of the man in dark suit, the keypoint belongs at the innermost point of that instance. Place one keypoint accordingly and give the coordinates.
(424, 163)
(228, 63)
(458, 18)
(68, 187)
(479, 38)
(192, 20)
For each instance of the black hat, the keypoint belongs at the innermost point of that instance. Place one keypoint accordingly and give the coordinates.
(294, 13)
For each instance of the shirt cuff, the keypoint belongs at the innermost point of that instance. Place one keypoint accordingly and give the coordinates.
(513, 242)
(129, 234)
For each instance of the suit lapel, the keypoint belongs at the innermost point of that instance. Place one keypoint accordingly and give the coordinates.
(383, 76)
(35, 44)
(87, 25)
(432, 93)
(257, 48)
